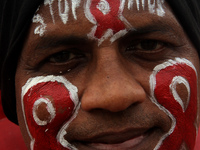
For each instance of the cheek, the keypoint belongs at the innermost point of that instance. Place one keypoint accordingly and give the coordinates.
(174, 90)
(47, 106)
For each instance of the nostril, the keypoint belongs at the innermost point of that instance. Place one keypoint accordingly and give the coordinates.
(115, 99)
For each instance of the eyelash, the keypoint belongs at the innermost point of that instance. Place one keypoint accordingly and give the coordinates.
(63, 57)
(61, 62)
(142, 46)
(148, 49)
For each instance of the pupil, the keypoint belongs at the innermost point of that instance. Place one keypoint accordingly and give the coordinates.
(61, 57)
(149, 44)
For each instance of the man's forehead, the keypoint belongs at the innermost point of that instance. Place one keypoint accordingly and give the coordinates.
(99, 19)
(105, 6)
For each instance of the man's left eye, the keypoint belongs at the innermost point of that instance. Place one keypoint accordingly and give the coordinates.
(145, 45)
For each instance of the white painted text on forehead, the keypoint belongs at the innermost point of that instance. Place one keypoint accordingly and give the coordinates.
(106, 15)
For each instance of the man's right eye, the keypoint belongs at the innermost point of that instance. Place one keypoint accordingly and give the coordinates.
(63, 57)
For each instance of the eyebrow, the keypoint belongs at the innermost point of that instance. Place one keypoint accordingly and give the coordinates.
(50, 41)
(153, 28)
(53, 41)
(157, 28)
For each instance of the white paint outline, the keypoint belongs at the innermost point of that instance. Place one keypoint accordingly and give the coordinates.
(153, 99)
(152, 82)
(178, 80)
(50, 108)
(143, 4)
(37, 18)
(87, 12)
(62, 132)
(138, 4)
(103, 6)
(75, 5)
(90, 18)
(130, 4)
(51, 78)
(63, 15)
(50, 2)
(160, 11)
(152, 6)
(109, 32)
(117, 35)
(122, 18)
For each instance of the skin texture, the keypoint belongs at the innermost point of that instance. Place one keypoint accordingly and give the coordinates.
(112, 77)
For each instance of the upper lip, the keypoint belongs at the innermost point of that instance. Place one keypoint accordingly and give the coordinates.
(115, 137)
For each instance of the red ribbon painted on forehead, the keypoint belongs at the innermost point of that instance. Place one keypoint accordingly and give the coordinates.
(106, 13)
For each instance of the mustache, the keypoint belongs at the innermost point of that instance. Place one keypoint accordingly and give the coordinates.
(136, 117)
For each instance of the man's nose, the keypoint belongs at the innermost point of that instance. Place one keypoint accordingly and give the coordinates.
(111, 86)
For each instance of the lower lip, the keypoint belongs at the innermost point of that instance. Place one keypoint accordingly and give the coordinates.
(129, 144)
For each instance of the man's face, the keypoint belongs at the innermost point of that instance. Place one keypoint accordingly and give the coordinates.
(103, 74)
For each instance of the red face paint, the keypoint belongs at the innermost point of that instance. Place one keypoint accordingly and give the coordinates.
(184, 129)
(106, 13)
(44, 131)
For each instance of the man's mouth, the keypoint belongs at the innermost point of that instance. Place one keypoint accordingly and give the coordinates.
(127, 144)
(125, 140)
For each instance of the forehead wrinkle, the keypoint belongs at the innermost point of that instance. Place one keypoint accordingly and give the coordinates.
(153, 28)
(52, 41)
(166, 23)
(162, 26)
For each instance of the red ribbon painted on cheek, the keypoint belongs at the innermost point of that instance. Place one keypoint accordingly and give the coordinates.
(106, 14)
(184, 130)
(58, 95)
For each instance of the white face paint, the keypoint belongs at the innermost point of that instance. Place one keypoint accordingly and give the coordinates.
(41, 28)
(187, 79)
(31, 100)
(143, 4)
(180, 80)
(50, 109)
(50, 2)
(151, 5)
(75, 5)
(105, 7)
(160, 10)
(63, 14)
(138, 4)
(62, 133)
